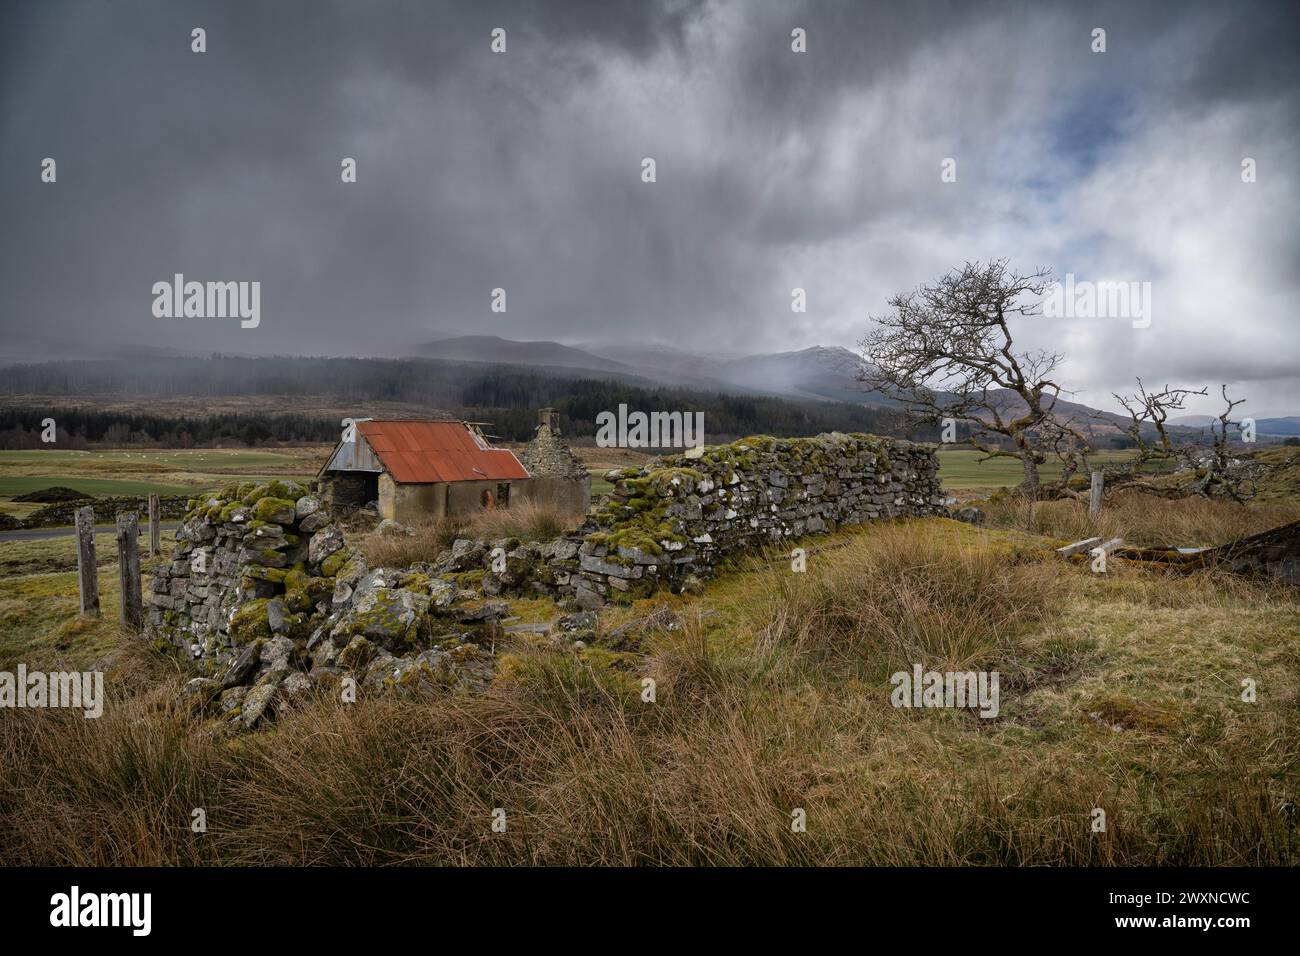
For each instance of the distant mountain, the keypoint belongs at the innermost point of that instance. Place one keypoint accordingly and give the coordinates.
(1282, 427)
(662, 361)
(827, 374)
(824, 373)
(1085, 418)
(1287, 426)
(817, 372)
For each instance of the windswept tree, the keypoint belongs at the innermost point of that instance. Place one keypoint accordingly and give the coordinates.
(946, 351)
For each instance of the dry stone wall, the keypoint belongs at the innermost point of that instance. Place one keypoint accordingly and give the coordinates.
(106, 510)
(670, 523)
(267, 597)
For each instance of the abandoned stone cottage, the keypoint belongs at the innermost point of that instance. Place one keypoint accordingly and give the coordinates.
(429, 470)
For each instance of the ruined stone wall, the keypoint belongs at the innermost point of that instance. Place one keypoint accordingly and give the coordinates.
(106, 510)
(234, 547)
(265, 594)
(670, 523)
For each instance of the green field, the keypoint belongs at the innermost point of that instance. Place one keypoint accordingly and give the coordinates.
(39, 602)
(162, 471)
(960, 468)
(96, 487)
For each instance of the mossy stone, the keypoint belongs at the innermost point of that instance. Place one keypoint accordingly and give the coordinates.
(250, 622)
(274, 510)
(331, 566)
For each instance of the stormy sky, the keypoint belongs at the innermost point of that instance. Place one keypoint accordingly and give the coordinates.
(775, 169)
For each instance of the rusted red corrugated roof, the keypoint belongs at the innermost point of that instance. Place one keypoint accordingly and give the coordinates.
(417, 452)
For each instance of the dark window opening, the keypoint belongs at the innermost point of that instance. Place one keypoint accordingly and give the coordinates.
(352, 489)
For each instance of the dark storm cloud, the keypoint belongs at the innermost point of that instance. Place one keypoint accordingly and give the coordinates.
(521, 171)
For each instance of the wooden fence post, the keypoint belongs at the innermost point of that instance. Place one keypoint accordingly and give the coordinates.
(128, 569)
(155, 528)
(1094, 503)
(87, 576)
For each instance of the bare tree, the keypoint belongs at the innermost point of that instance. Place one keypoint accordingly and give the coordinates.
(1221, 474)
(946, 352)
(1151, 409)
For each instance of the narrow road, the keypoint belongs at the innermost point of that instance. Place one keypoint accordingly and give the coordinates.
(39, 534)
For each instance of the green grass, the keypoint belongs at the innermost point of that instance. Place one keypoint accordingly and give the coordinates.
(599, 486)
(155, 471)
(39, 601)
(197, 459)
(96, 487)
(960, 468)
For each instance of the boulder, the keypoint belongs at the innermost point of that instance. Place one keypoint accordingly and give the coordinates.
(275, 616)
(232, 698)
(324, 543)
(258, 703)
(241, 669)
(275, 510)
(490, 611)
(199, 692)
(306, 505)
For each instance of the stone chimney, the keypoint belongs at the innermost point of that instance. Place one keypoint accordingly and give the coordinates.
(549, 417)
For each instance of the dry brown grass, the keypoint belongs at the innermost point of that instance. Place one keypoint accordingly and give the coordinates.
(422, 544)
(769, 698)
(903, 595)
(526, 520)
(1143, 520)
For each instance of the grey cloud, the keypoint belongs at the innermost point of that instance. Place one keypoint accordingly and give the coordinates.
(522, 171)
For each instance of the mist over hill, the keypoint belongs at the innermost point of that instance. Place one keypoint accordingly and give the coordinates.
(505, 395)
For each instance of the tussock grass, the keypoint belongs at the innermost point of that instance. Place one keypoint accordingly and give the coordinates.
(423, 544)
(531, 521)
(771, 696)
(526, 520)
(906, 594)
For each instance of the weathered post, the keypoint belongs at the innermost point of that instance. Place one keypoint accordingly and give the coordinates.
(1094, 503)
(128, 569)
(155, 529)
(87, 576)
